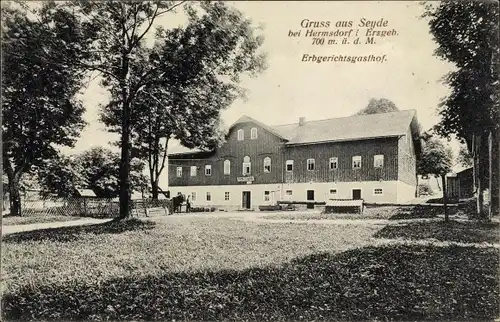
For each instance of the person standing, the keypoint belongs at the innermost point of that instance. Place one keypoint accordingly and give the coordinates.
(188, 204)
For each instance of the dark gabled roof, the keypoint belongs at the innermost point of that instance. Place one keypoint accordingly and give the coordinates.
(349, 128)
(246, 119)
(356, 127)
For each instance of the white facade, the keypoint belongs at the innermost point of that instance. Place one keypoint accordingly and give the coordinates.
(231, 196)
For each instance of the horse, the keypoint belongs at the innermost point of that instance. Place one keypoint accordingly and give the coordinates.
(177, 202)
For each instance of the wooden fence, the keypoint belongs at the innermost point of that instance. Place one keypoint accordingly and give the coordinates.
(87, 207)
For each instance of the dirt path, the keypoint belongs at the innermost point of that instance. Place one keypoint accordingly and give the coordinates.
(10, 229)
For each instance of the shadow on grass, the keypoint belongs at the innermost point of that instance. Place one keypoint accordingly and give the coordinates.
(71, 233)
(452, 231)
(421, 211)
(373, 283)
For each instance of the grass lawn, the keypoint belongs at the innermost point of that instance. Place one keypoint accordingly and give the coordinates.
(19, 220)
(372, 212)
(207, 268)
(453, 231)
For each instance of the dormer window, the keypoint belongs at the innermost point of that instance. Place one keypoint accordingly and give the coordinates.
(241, 135)
(253, 133)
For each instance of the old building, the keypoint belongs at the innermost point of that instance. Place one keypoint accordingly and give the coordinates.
(370, 157)
(460, 185)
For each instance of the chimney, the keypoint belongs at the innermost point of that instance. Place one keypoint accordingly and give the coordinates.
(302, 121)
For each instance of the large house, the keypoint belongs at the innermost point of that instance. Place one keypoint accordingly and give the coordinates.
(370, 157)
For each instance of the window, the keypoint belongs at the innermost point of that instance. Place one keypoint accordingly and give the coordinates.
(226, 195)
(266, 196)
(267, 164)
(378, 191)
(227, 167)
(253, 133)
(356, 162)
(289, 165)
(208, 170)
(334, 163)
(333, 192)
(179, 172)
(209, 196)
(241, 135)
(378, 161)
(193, 196)
(310, 164)
(193, 171)
(288, 192)
(247, 165)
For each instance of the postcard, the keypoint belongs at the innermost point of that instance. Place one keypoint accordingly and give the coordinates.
(250, 161)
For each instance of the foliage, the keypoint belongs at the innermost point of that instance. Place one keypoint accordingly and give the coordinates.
(436, 158)
(129, 67)
(95, 169)
(39, 108)
(61, 175)
(464, 157)
(425, 189)
(195, 75)
(247, 272)
(467, 35)
(375, 106)
(28, 180)
(100, 170)
(117, 34)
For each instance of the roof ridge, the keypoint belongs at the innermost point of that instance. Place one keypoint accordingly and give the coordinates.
(259, 123)
(344, 117)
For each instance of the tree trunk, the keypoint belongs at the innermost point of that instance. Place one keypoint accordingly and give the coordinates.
(417, 194)
(154, 189)
(479, 198)
(125, 165)
(14, 177)
(494, 175)
(478, 176)
(14, 196)
(124, 175)
(154, 177)
(445, 198)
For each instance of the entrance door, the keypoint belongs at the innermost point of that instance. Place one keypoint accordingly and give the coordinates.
(246, 200)
(310, 197)
(356, 194)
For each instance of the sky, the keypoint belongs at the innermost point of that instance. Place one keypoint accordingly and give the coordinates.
(290, 88)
